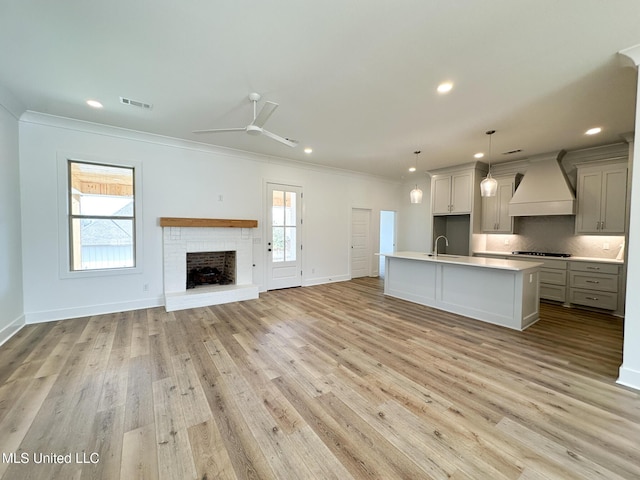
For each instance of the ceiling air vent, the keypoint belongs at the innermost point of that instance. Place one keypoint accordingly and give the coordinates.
(136, 103)
(511, 152)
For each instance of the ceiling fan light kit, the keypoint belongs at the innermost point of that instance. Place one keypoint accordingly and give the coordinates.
(256, 126)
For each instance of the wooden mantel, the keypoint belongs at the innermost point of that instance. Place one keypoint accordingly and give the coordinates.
(206, 222)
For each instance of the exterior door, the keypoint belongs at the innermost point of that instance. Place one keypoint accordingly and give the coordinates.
(360, 243)
(284, 265)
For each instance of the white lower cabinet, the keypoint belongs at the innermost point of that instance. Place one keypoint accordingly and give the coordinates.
(578, 283)
(553, 280)
(594, 285)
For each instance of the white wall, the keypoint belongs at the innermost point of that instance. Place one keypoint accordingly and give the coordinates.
(414, 220)
(630, 369)
(11, 300)
(180, 179)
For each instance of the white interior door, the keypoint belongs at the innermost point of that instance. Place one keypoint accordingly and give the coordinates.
(360, 242)
(284, 265)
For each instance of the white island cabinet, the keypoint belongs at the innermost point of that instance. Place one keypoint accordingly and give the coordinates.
(503, 292)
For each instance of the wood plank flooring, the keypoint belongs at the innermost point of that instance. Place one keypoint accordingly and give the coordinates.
(327, 382)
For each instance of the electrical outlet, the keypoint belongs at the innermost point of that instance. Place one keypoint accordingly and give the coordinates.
(605, 246)
(145, 287)
(507, 241)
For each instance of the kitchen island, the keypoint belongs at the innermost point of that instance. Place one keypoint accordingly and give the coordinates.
(503, 292)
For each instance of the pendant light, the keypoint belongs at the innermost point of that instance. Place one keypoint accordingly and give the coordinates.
(416, 194)
(489, 186)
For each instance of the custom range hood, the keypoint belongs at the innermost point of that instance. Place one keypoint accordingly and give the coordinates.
(544, 189)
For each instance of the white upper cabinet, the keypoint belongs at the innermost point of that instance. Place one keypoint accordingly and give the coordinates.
(495, 210)
(452, 193)
(602, 199)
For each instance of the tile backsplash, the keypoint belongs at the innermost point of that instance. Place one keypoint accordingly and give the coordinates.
(554, 234)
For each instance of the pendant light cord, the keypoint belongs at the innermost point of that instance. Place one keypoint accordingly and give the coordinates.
(490, 133)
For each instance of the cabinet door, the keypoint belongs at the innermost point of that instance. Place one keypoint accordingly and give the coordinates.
(495, 210)
(503, 196)
(614, 200)
(441, 197)
(489, 218)
(589, 197)
(461, 192)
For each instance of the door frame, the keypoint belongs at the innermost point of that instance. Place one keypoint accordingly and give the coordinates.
(394, 233)
(370, 236)
(266, 228)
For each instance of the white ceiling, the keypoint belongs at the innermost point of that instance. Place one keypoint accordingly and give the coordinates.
(355, 80)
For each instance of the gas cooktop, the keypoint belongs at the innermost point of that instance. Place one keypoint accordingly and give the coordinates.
(542, 254)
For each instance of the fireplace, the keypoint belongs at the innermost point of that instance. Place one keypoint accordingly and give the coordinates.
(211, 268)
(184, 238)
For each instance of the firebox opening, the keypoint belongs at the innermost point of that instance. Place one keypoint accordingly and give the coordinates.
(211, 268)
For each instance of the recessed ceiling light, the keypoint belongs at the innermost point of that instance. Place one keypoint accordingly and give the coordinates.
(412, 169)
(479, 155)
(445, 87)
(94, 103)
(308, 150)
(593, 131)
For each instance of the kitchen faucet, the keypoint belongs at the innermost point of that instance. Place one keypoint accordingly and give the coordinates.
(435, 248)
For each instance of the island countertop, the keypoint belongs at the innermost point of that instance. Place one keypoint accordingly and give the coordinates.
(496, 263)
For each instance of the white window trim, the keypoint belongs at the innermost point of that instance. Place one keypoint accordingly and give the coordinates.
(64, 253)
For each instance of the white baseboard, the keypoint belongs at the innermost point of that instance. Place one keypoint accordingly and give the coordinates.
(10, 330)
(322, 280)
(87, 311)
(629, 378)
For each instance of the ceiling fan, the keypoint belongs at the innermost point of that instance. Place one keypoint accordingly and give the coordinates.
(259, 119)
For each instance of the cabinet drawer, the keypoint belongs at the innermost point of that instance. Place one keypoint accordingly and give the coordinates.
(553, 292)
(605, 300)
(552, 276)
(555, 264)
(595, 267)
(546, 263)
(594, 281)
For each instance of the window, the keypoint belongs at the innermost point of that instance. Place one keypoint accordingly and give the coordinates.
(101, 215)
(283, 226)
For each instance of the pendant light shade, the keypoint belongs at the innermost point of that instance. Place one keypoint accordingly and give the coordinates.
(489, 186)
(416, 194)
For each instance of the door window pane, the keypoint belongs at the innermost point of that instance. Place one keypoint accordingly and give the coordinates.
(277, 209)
(290, 244)
(283, 226)
(278, 242)
(290, 209)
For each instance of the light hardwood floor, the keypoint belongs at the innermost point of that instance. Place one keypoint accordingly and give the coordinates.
(327, 382)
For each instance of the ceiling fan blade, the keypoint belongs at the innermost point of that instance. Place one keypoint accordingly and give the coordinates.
(267, 109)
(286, 141)
(217, 130)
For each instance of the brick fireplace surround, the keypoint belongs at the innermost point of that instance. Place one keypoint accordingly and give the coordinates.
(182, 235)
